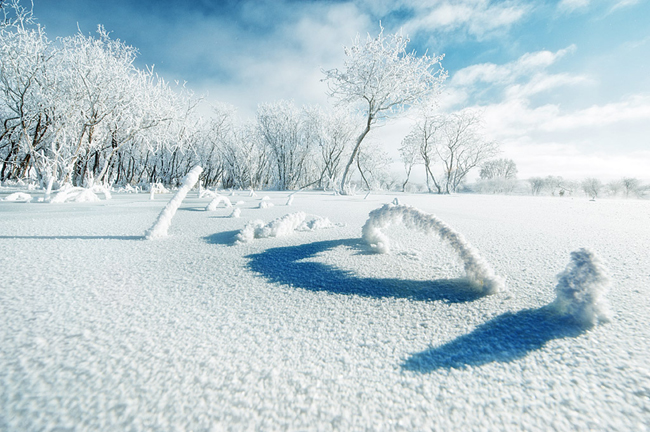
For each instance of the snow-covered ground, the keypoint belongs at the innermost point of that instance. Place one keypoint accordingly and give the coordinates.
(101, 329)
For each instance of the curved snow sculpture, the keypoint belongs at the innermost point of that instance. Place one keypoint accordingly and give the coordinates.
(160, 227)
(581, 289)
(216, 201)
(478, 271)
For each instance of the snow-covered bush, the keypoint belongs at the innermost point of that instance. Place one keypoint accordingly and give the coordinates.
(581, 289)
(265, 204)
(19, 197)
(160, 227)
(235, 213)
(79, 194)
(281, 227)
(218, 200)
(478, 271)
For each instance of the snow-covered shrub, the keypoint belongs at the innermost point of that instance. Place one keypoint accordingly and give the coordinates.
(75, 194)
(281, 227)
(207, 193)
(160, 227)
(19, 197)
(581, 289)
(235, 213)
(216, 201)
(478, 271)
(265, 204)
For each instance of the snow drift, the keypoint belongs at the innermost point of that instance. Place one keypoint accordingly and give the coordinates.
(478, 271)
(581, 289)
(281, 227)
(160, 227)
(79, 194)
(19, 197)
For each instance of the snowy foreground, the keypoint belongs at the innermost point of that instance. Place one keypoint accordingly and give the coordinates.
(101, 329)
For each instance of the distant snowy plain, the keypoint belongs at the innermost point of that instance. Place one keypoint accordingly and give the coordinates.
(103, 330)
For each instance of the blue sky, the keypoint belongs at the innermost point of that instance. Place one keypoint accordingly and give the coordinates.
(564, 86)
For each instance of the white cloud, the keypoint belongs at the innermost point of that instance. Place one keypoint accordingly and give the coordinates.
(476, 17)
(572, 5)
(506, 73)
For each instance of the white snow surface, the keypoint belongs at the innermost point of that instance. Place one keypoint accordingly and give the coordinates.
(478, 271)
(101, 330)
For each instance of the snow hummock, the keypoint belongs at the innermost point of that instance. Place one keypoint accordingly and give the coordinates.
(160, 227)
(581, 289)
(265, 204)
(235, 213)
(79, 194)
(19, 197)
(218, 199)
(282, 226)
(478, 271)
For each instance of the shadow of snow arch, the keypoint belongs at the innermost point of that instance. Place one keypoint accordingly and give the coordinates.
(508, 337)
(284, 265)
(478, 271)
(580, 304)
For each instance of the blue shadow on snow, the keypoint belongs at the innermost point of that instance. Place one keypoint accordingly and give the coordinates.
(505, 338)
(284, 265)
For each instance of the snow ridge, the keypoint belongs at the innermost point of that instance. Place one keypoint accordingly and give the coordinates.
(280, 227)
(216, 201)
(478, 271)
(160, 227)
(581, 289)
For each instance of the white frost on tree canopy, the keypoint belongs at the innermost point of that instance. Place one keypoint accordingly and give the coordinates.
(160, 227)
(283, 226)
(478, 271)
(218, 200)
(581, 289)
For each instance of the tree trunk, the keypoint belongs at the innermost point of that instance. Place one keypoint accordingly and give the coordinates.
(344, 179)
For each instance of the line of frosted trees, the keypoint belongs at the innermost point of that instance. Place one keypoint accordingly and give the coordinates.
(77, 110)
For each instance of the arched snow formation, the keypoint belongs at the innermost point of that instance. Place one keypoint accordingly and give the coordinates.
(216, 201)
(478, 271)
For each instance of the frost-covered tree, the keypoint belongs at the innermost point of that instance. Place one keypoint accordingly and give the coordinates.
(498, 168)
(630, 185)
(460, 146)
(410, 154)
(536, 185)
(373, 167)
(381, 78)
(592, 187)
(332, 134)
(284, 129)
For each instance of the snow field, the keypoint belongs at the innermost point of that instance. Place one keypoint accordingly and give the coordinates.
(102, 330)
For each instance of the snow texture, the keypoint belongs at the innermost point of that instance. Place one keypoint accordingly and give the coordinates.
(160, 227)
(19, 197)
(581, 289)
(218, 200)
(478, 271)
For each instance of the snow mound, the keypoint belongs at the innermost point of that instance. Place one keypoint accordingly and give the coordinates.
(75, 194)
(283, 226)
(290, 200)
(265, 204)
(160, 227)
(581, 289)
(235, 213)
(19, 197)
(478, 271)
(218, 200)
(207, 193)
(158, 188)
(266, 198)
